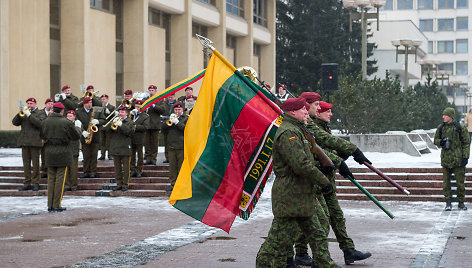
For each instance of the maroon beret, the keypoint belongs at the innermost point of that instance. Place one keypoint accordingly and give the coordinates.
(310, 96)
(48, 100)
(90, 87)
(178, 104)
(189, 97)
(104, 95)
(283, 86)
(58, 105)
(188, 88)
(324, 106)
(31, 99)
(123, 108)
(65, 87)
(128, 92)
(307, 106)
(71, 112)
(138, 101)
(152, 86)
(293, 104)
(86, 100)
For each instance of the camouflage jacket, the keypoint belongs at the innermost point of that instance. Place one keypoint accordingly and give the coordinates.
(460, 144)
(295, 171)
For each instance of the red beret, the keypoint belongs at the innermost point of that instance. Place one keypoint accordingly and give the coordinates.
(58, 105)
(293, 104)
(152, 86)
(31, 99)
(90, 87)
(104, 95)
(128, 92)
(283, 86)
(188, 88)
(48, 100)
(189, 97)
(86, 100)
(138, 101)
(123, 108)
(267, 85)
(65, 87)
(310, 96)
(177, 104)
(307, 106)
(324, 106)
(71, 112)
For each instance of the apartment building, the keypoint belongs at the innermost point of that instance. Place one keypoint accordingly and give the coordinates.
(123, 44)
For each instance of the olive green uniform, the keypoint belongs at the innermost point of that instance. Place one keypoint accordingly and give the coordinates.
(30, 143)
(451, 158)
(71, 102)
(105, 134)
(89, 151)
(120, 149)
(168, 110)
(151, 141)
(57, 133)
(175, 143)
(293, 204)
(96, 101)
(43, 114)
(141, 120)
(73, 167)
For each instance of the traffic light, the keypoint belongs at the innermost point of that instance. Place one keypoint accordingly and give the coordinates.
(329, 73)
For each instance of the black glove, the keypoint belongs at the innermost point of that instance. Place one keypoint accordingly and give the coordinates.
(464, 162)
(327, 189)
(344, 156)
(359, 157)
(345, 171)
(327, 171)
(442, 142)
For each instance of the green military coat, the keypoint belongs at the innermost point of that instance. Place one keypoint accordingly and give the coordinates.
(57, 133)
(120, 139)
(460, 144)
(141, 121)
(155, 112)
(295, 171)
(30, 129)
(175, 133)
(71, 102)
(84, 118)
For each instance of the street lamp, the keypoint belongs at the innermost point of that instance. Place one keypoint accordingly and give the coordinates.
(429, 66)
(410, 47)
(443, 75)
(364, 6)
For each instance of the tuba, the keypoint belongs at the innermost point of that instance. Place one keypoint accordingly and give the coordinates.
(91, 129)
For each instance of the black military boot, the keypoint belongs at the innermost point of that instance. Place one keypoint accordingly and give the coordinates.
(448, 205)
(303, 259)
(351, 255)
(291, 263)
(462, 206)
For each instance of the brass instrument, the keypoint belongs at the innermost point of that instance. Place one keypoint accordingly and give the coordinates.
(114, 126)
(249, 72)
(91, 129)
(22, 112)
(171, 117)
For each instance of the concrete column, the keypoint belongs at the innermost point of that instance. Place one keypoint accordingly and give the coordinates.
(181, 44)
(218, 34)
(135, 44)
(244, 44)
(267, 59)
(7, 107)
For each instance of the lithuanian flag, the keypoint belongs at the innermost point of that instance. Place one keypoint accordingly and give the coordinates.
(227, 147)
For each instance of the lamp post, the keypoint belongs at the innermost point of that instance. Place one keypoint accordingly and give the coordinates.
(364, 6)
(442, 75)
(410, 47)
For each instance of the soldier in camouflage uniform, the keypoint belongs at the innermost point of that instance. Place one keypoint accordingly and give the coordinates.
(454, 140)
(320, 114)
(293, 204)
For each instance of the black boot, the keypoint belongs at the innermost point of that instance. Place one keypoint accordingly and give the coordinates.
(351, 255)
(303, 259)
(291, 263)
(448, 205)
(462, 206)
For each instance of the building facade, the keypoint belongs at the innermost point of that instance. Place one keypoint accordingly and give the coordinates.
(117, 45)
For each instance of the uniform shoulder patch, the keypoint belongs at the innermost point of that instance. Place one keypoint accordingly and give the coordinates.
(292, 138)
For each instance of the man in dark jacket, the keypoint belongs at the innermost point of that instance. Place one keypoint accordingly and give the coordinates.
(57, 133)
(168, 103)
(141, 120)
(68, 99)
(188, 93)
(43, 114)
(73, 168)
(152, 133)
(293, 204)
(107, 109)
(90, 91)
(175, 141)
(30, 143)
(122, 130)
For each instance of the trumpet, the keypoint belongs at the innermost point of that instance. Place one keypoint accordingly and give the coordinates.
(22, 112)
(114, 126)
(91, 94)
(171, 117)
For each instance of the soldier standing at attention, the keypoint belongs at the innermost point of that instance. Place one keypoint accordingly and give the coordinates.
(141, 120)
(68, 99)
(57, 133)
(152, 133)
(43, 114)
(107, 109)
(73, 168)
(293, 204)
(122, 130)
(175, 141)
(454, 141)
(30, 143)
(168, 104)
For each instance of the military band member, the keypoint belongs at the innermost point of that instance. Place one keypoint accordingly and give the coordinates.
(189, 103)
(188, 93)
(107, 109)
(168, 104)
(30, 143)
(57, 133)
(89, 151)
(44, 113)
(141, 120)
(122, 131)
(73, 167)
(128, 95)
(68, 99)
(175, 141)
(151, 139)
(95, 99)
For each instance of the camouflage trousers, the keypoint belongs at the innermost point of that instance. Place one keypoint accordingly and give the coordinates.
(459, 173)
(282, 233)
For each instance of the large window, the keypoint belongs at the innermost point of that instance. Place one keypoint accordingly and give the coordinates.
(105, 5)
(426, 25)
(260, 11)
(405, 4)
(448, 67)
(445, 46)
(461, 68)
(462, 3)
(388, 5)
(425, 4)
(462, 23)
(211, 2)
(462, 46)
(235, 7)
(445, 4)
(445, 24)
(430, 47)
